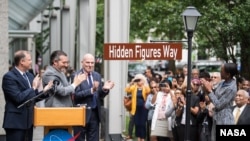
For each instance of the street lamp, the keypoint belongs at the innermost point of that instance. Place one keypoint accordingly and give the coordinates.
(190, 18)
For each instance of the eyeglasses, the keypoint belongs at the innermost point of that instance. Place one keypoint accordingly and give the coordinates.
(162, 85)
(196, 84)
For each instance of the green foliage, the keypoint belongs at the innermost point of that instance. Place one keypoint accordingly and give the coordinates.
(223, 23)
(160, 20)
(99, 27)
(40, 38)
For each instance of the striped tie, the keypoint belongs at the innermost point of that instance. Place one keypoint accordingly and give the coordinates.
(26, 78)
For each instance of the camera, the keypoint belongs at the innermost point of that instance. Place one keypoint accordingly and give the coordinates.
(137, 80)
(162, 85)
(179, 99)
(202, 98)
(205, 123)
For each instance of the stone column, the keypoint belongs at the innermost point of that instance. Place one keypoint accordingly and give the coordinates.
(87, 29)
(4, 52)
(116, 31)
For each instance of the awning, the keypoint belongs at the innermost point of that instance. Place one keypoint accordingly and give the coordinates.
(21, 12)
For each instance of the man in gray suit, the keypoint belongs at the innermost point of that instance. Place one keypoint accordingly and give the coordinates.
(62, 96)
(91, 92)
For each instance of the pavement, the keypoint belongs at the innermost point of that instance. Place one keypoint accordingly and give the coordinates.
(38, 133)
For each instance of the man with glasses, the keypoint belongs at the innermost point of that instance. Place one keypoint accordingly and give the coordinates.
(55, 71)
(215, 79)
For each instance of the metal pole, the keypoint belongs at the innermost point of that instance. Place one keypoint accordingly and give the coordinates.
(189, 91)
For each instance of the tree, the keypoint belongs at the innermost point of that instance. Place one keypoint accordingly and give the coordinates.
(222, 25)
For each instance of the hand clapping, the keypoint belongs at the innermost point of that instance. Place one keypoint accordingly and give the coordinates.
(48, 86)
(36, 82)
(79, 78)
(108, 85)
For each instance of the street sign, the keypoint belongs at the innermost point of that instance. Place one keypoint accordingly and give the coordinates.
(142, 51)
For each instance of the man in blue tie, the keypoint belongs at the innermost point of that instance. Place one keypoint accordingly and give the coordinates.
(19, 86)
(91, 92)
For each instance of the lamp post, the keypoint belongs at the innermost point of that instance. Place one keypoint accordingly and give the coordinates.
(190, 18)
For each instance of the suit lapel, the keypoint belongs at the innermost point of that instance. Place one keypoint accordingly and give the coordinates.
(242, 114)
(21, 78)
(30, 77)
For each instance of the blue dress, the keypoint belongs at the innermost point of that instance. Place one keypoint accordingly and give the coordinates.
(140, 117)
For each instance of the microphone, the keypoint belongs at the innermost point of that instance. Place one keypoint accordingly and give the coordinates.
(56, 83)
(49, 91)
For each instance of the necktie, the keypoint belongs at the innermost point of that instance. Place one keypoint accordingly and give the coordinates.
(237, 115)
(27, 79)
(90, 81)
(94, 95)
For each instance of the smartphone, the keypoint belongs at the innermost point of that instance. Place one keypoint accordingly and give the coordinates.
(202, 98)
(170, 78)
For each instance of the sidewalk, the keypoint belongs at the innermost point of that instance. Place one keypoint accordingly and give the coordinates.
(38, 133)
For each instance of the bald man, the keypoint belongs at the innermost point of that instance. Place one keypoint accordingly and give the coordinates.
(242, 108)
(91, 92)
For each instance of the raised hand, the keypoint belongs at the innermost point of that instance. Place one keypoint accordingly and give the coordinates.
(95, 85)
(48, 86)
(108, 85)
(207, 85)
(79, 78)
(36, 82)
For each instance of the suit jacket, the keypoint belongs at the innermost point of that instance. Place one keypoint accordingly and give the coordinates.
(222, 99)
(244, 118)
(83, 93)
(61, 96)
(16, 91)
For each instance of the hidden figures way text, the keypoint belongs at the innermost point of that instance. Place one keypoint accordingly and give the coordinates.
(143, 51)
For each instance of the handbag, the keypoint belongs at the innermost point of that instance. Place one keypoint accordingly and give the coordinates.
(127, 102)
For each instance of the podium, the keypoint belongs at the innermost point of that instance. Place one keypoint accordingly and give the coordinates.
(59, 117)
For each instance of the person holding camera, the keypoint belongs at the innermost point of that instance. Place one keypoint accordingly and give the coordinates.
(151, 106)
(139, 90)
(181, 113)
(164, 107)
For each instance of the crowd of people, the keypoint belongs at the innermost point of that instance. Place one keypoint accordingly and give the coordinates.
(218, 98)
(158, 109)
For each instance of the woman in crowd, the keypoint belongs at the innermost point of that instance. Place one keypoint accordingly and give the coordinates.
(223, 96)
(151, 106)
(139, 90)
(176, 119)
(161, 127)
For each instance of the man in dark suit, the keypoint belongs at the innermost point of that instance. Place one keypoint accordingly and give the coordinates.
(91, 92)
(18, 86)
(242, 109)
